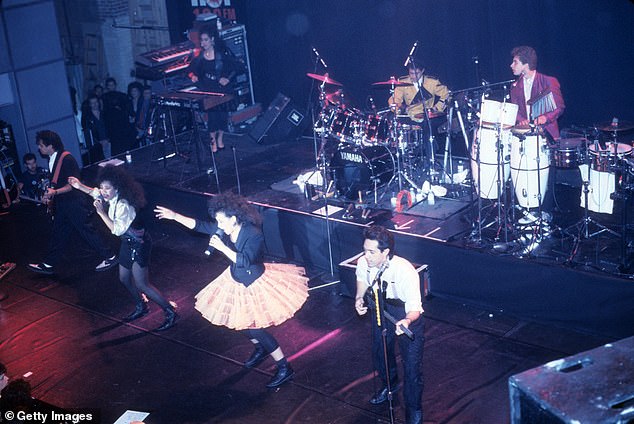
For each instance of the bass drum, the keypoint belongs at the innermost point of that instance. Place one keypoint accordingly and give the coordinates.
(359, 169)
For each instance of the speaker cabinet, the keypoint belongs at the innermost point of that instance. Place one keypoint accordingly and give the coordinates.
(596, 386)
(282, 121)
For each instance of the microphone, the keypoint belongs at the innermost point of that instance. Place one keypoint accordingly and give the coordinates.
(319, 57)
(210, 249)
(411, 53)
(379, 274)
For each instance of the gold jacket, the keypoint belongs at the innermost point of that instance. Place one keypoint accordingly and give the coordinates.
(405, 95)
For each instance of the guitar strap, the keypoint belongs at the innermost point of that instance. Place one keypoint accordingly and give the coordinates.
(58, 168)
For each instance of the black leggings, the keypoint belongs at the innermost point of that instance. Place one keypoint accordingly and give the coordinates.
(141, 284)
(266, 340)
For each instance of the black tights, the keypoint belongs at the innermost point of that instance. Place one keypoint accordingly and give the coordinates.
(266, 340)
(137, 281)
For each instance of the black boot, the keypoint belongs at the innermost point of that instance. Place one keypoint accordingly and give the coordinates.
(258, 355)
(414, 416)
(170, 319)
(284, 373)
(140, 310)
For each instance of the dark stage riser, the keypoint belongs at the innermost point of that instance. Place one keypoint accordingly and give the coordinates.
(554, 294)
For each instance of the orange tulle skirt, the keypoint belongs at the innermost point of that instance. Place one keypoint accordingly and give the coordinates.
(270, 300)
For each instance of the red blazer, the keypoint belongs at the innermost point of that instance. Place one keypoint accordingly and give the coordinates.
(541, 83)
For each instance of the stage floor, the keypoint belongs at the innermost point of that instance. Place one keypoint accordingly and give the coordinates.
(66, 331)
(265, 174)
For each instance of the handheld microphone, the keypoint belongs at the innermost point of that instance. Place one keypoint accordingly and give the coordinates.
(411, 53)
(319, 57)
(210, 249)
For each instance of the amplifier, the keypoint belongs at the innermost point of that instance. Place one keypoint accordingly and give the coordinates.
(596, 386)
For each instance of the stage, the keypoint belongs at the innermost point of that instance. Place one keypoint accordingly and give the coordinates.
(568, 279)
(490, 314)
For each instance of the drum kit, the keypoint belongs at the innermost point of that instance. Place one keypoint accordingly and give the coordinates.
(377, 149)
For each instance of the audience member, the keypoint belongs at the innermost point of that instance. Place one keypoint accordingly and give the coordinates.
(32, 180)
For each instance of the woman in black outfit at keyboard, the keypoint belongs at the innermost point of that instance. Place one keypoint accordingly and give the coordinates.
(212, 70)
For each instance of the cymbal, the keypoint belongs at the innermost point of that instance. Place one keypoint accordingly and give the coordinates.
(324, 78)
(392, 82)
(615, 126)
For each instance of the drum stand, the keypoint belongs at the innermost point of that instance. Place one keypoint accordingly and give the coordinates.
(583, 226)
(399, 174)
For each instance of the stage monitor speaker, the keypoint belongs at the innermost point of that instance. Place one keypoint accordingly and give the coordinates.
(596, 386)
(282, 121)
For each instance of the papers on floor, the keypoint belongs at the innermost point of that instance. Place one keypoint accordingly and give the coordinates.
(113, 162)
(327, 209)
(131, 416)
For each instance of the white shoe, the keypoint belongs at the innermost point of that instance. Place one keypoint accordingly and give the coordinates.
(106, 264)
(530, 217)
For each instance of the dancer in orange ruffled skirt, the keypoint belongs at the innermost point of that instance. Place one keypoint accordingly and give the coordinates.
(250, 295)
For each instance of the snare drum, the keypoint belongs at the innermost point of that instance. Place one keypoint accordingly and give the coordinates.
(602, 158)
(569, 152)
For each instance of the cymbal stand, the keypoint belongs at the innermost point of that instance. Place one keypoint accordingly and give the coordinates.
(321, 166)
(398, 175)
(432, 154)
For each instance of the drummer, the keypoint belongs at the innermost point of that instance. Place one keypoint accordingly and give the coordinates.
(529, 85)
(410, 98)
(425, 95)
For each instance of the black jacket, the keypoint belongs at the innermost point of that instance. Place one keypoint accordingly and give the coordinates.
(249, 246)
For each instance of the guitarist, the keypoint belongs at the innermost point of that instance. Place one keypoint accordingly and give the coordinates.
(400, 288)
(69, 209)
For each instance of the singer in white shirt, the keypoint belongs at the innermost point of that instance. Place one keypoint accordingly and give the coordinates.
(399, 283)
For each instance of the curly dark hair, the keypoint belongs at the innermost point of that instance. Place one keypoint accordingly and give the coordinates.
(17, 394)
(231, 204)
(128, 188)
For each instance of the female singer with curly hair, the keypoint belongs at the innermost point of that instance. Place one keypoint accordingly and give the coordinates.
(250, 295)
(125, 198)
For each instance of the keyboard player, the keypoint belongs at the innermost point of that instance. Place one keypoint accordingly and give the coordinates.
(213, 69)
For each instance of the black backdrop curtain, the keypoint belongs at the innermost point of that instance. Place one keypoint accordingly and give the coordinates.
(588, 45)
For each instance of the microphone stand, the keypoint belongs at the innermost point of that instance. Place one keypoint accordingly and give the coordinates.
(235, 164)
(432, 158)
(380, 297)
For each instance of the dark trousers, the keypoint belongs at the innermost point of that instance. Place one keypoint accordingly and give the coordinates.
(69, 216)
(411, 356)
(266, 340)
